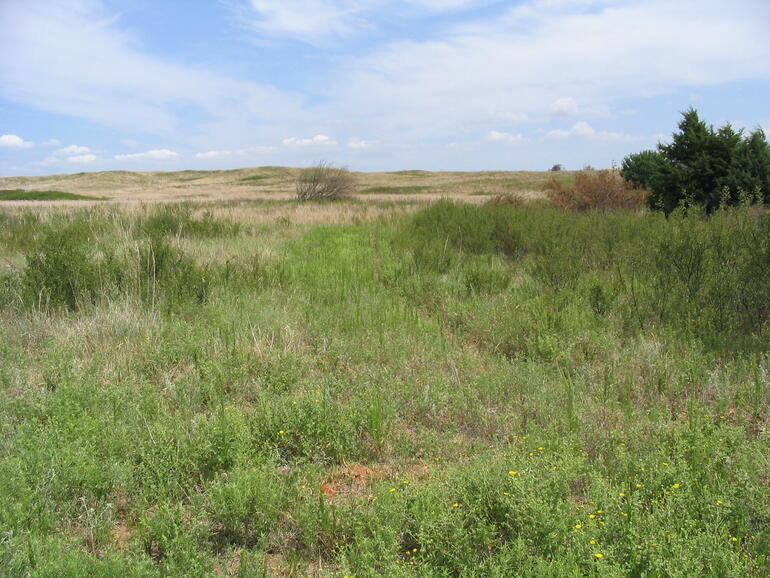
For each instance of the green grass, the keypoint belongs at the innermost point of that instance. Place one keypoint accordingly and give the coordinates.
(411, 173)
(254, 178)
(399, 190)
(21, 195)
(465, 391)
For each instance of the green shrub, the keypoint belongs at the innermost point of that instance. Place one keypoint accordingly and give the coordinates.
(640, 169)
(442, 233)
(69, 269)
(246, 504)
(167, 274)
(174, 541)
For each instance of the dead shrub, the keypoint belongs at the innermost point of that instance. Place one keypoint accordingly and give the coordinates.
(595, 190)
(324, 181)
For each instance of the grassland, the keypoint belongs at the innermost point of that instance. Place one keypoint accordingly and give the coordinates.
(383, 387)
(37, 195)
(277, 183)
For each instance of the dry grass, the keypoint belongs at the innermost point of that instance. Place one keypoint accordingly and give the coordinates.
(271, 183)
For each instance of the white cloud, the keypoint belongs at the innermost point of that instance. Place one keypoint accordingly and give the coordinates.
(156, 155)
(446, 4)
(81, 159)
(13, 141)
(451, 82)
(213, 154)
(565, 107)
(597, 55)
(54, 142)
(71, 58)
(574, 4)
(315, 21)
(584, 130)
(357, 143)
(72, 150)
(243, 153)
(319, 140)
(308, 20)
(515, 117)
(496, 136)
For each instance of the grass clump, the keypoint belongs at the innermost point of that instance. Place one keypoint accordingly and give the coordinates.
(178, 220)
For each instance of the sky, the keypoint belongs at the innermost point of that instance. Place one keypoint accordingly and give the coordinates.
(92, 85)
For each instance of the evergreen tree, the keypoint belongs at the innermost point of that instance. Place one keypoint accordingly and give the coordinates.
(640, 169)
(703, 166)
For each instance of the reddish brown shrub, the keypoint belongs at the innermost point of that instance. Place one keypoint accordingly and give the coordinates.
(592, 190)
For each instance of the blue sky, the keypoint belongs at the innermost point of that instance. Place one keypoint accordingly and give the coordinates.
(88, 85)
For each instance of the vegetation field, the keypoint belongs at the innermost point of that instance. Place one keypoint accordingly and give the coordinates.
(278, 183)
(22, 195)
(383, 387)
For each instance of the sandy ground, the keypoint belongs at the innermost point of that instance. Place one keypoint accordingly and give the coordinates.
(272, 183)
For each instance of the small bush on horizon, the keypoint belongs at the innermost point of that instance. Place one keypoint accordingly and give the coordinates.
(324, 181)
